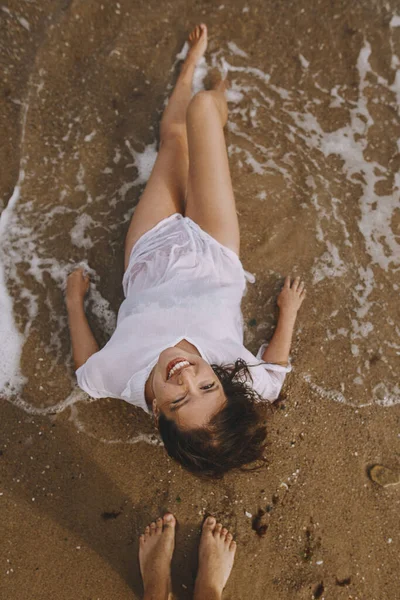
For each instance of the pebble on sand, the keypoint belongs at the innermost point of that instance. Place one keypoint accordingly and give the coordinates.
(383, 476)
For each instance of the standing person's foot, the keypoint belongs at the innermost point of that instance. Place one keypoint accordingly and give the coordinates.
(156, 547)
(216, 555)
(198, 43)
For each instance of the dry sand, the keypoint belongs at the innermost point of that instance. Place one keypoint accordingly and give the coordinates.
(77, 486)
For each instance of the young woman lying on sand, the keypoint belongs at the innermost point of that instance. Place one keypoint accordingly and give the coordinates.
(178, 348)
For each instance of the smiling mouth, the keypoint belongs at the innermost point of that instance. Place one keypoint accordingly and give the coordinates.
(176, 366)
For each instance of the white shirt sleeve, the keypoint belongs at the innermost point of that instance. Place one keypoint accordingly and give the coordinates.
(268, 378)
(92, 377)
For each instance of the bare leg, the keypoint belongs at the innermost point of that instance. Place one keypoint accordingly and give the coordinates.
(210, 199)
(166, 188)
(174, 116)
(156, 547)
(216, 556)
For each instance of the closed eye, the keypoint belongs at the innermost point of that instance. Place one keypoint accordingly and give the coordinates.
(178, 400)
(203, 387)
(208, 387)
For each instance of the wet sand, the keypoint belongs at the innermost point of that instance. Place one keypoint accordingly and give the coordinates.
(313, 140)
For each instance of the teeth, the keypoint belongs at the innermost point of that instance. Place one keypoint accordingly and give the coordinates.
(177, 367)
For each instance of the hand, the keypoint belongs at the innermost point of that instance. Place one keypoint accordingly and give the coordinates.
(291, 296)
(77, 286)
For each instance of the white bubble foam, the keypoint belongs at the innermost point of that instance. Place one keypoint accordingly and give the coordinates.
(77, 233)
(11, 342)
(236, 50)
(349, 143)
(252, 91)
(328, 265)
(143, 162)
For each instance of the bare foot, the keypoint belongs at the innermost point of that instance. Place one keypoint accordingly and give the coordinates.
(156, 547)
(216, 555)
(198, 43)
(217, 83)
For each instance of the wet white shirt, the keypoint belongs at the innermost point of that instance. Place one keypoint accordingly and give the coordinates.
(180, 284)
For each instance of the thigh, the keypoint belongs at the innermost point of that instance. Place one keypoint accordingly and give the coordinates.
(210, 200)
(164, 193)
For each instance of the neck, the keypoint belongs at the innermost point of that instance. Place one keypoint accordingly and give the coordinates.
(185, 345)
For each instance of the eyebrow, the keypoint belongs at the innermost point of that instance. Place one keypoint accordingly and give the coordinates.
(176, 407)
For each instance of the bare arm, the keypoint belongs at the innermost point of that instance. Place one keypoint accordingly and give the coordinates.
(82, 338)
(278, 349)
(289, 302)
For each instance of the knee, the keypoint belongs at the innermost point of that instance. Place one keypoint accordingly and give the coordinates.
(205, 104)
(201, 101)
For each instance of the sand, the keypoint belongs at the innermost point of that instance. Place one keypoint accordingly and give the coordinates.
(313, 139)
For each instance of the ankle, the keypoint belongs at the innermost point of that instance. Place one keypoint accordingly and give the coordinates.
(156, 591)
(187, 69)
(204, 590)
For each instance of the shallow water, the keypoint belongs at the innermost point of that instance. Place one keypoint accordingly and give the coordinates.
(313, 139)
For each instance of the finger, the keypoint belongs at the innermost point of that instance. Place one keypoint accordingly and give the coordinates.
(301, 287)
(287, 282)
(80, 271)
(86, 284)
(295, 283)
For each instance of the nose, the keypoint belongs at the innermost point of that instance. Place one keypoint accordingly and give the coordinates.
(185, 377)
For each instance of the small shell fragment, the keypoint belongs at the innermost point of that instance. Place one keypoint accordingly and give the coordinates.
(383, 476)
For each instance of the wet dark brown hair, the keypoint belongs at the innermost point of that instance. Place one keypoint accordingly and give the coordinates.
(233, 438)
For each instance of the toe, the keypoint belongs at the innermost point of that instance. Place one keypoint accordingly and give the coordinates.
(169, 520)
(232, 547)
(152, 528)
(141, 539)
(159, 525)
(209, 524)
(217, 530)
(224, 532)
(147, 531)
(229, 538)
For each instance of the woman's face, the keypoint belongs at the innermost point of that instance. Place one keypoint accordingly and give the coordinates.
(186, 389)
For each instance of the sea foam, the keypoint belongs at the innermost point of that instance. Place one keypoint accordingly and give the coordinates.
(252, 94)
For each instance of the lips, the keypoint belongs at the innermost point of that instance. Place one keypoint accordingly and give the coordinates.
(173, 363)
